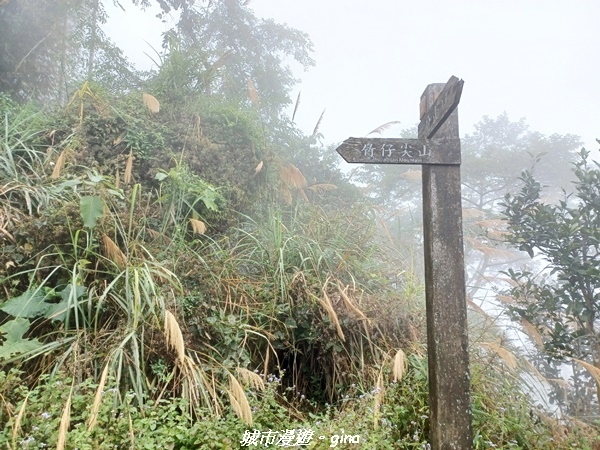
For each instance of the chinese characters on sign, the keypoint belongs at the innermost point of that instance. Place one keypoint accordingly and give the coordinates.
(401, 151)
(404, 150)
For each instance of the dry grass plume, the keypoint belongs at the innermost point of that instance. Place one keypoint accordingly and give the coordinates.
(379, 393)
(238, 400)
(128, 169)
(381, 128)
(60, 163)
(399, 365)
(18, 420)
(65, 422)
(592, 370)
(318, 125)
(505, 355)
(253, 93)
(98, 399)
(151, 103)
(328, 307)
(198, 226)
(113, 252)
(251, 379)
(174, 336)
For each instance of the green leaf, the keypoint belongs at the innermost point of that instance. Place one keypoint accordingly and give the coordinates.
(209, 199)
(160, 176)
(14, 344)
(66, 184)
(58, 311)
(91, 208)
(30, 304)
(94, 177)
(527, 248)
(67, 292)
(116, 193)
(290, 322)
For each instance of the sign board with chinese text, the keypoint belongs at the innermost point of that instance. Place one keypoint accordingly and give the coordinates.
(400, 151)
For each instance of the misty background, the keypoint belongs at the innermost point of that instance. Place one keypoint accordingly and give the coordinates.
(531, 59)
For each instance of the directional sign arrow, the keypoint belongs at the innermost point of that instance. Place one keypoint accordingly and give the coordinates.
(443, 106)
(400, 151)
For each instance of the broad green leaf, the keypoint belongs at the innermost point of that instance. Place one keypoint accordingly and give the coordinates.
(30, 304)
(91, 208)
(58, 311)
(14, 344)
(67, 292)
(34, 303)
(208, 198)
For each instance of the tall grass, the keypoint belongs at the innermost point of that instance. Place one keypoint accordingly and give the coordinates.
(21, 163)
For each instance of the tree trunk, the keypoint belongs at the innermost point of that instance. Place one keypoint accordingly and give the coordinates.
(93, 38)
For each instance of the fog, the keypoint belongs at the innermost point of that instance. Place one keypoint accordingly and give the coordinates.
(531, 59)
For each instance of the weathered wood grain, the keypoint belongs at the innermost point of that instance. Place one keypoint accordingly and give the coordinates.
(450, 405)
(436, 114)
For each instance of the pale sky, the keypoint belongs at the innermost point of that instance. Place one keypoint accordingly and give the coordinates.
(537, 59)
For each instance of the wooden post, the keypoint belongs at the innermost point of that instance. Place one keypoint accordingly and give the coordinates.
(438, 152)
(450, 418)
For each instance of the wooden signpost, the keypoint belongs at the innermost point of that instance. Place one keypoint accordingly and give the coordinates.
(438, 151)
